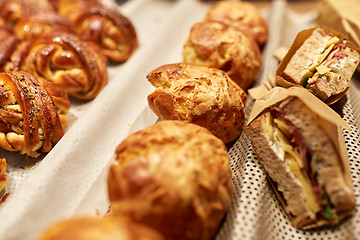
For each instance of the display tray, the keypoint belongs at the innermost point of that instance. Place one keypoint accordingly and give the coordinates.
(71, 179)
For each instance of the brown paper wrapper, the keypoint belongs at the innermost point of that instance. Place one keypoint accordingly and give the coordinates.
(299, 40)
(342, 16)
(331, 122)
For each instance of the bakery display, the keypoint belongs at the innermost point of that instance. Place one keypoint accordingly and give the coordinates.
(174, 177)
(63, 58)
(215, 44)
(241, 15)
(29, 121)
(3, 177)
(200, 95)
(320, 60)
(108, 228)
(108, 28)
(301, 153)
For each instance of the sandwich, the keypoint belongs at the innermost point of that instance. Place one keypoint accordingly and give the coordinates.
(304, 163)
(320, 60)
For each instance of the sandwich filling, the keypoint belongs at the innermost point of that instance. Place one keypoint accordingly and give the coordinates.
(289, 144)
(328, 66)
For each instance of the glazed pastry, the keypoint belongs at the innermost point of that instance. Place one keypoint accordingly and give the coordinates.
(174, 177)
(60, 57)
(29, 121)
(85, 228)
(33, 26)
(3, 177)
(218, 45)
(200, 95)
(109, 29)
(243, 16)
(8, 45)
(13, 10)
(321, 60)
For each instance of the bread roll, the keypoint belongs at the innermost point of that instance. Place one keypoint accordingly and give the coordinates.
(243, 16)
(215, 44)
(200, 95)
(88, 228)
(173, 176)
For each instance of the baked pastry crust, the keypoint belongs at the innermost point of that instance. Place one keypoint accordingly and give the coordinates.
(173, 176)
(63, 58)
(108, 28)
(85, 228)
(29, 121)
(215, 44)
(200, 95)
(243, 16)
(3, 177)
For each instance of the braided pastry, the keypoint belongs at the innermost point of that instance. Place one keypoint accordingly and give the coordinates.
(200, 95)
(8, 45)
(13, 10)
(33, 26)
(29, 121)
(3, 177)
(76, 66)
(218, 45)
(109, 29)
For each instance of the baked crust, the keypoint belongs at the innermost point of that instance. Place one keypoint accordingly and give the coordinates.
(3, 177)
(108, 28)
(200, 95)
(85, 228)
(173, 176)
(243, 16)
(63, 58)
(29, 121)
(218, 45)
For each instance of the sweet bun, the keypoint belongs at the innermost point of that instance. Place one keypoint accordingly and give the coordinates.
(3, 177)
(174, 177)
(200, 95)
(86, 228)
(243, 16)
(215, 44)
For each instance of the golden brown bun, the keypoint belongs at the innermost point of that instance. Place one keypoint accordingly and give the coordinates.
(243, 16)
(29, 121)
(173, 176)
(200, 95)
(3, 178)
(218, 45)
(91, 228)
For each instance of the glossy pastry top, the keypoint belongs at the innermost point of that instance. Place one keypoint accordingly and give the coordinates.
(29, 121)
(200, 95)
(172, 176)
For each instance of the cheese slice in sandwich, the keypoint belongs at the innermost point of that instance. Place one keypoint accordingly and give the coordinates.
(302, 163)
(320, 60)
